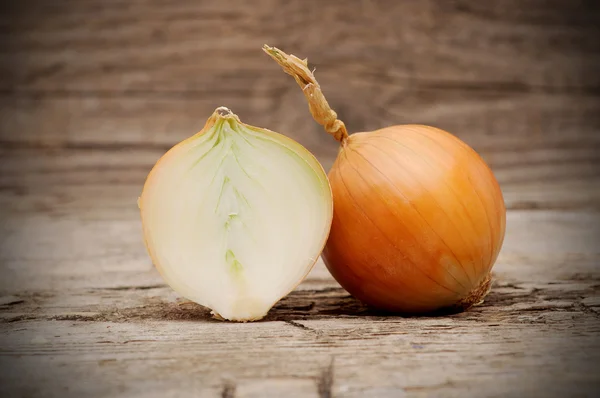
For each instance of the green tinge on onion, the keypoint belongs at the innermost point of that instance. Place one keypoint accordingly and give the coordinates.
(235, 216)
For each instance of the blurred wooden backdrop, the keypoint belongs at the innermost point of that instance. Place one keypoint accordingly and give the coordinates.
(93, 92)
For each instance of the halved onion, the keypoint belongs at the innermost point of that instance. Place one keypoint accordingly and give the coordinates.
(235, 216)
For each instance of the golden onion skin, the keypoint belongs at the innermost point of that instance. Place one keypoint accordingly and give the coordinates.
(419, 220)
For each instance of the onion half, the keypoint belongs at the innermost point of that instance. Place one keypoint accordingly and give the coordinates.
(419, 218)
(235, 217)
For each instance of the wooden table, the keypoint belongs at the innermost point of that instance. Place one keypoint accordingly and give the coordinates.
(87, 108)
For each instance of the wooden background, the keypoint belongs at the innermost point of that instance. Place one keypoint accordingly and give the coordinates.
(92, 93)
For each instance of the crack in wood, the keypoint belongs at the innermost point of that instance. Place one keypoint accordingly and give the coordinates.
(177, 95)
(229, 388)
(141, 287)
(138, 341)
(76, 317)
(587, 310)
(7, 301)
(325, 380)
(505, 301)
(86, 146)
(561, 206)
(448, 383)
(502, 87)
(511, 285)
(299, 326)
(411, 83)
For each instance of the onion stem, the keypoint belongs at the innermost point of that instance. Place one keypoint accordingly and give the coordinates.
(317, 104)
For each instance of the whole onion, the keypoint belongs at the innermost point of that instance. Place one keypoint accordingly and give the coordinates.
(419, 218)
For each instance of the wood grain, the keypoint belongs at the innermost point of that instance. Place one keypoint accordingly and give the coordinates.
(484, 120)
(514, 80)
(101, 246)
(554, 171)
(141, 46)
(93, 92)
(91, 317)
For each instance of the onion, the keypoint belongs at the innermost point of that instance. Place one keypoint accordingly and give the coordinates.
(235, 216)
(418, 219)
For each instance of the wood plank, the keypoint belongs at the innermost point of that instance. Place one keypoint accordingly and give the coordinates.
(100, 247)
(555, 171)
(484, 120)
(162, 121)
(536, 354)
(84, 313)
(535, 335)
(202, 47)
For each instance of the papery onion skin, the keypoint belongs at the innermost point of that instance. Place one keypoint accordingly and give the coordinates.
(419, 218)
(418, 223)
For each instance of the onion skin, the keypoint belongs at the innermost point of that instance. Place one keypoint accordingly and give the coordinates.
(419, 218)
(418, 223)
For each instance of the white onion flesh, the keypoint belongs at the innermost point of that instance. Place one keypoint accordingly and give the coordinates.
(236, 216)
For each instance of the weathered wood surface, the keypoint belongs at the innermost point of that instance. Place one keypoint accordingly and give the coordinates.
(554, 138)
(516, 80)
(93, 92)
(85, 314)
(141, 46)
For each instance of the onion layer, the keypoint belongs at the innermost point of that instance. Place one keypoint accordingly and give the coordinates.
(235, 217)
(419, 218)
